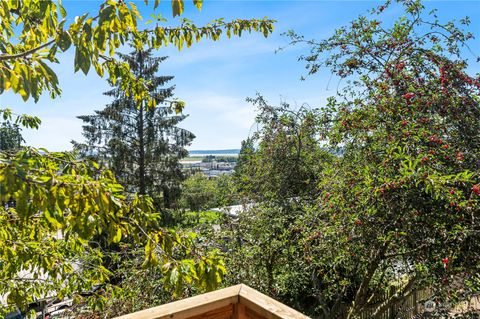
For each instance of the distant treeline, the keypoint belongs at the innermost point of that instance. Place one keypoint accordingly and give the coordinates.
(223, 159)
(215, 152)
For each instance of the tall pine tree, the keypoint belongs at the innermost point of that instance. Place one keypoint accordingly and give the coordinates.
(141, 145)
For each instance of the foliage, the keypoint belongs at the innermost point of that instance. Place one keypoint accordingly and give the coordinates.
(395, 207)
(36, 31)
(142, 146)
(283, 159)
(10, 129)
(197, 192)
(247, 150)
(226, 193)
(144, 287)
(52, 205)
(277, 172)
(200, 192)
(399, 209)
(192, 219)
(262, 251)
(44, 234)
(10, 136)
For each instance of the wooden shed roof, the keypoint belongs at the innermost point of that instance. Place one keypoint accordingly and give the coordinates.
(236, 302)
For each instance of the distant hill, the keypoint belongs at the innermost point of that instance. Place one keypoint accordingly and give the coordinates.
(215, 152)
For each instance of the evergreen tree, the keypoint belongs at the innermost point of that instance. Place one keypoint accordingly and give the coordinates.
(141, 145)
(10, 136)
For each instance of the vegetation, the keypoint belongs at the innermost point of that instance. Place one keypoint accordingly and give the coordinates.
(287, 161)
(406, 217)
(141, 146)
(221, 159)
(397, 208)
(11, 129)
(201, 193)
(349, 207)
(52, 204)
(36, 31)
(10, 136)
(278, 171)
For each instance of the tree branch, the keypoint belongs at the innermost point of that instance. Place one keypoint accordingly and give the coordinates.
(5, 57)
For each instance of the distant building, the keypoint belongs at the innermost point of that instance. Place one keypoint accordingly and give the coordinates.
(211, 168)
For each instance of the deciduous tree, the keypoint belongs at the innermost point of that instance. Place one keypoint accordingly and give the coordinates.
(36, 31)
(399, 209)
(52, 204)
(281, 165)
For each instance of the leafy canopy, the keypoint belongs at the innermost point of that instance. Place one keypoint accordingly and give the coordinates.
(401, 204)
(52, 204)
(34, 32)
(397, 208)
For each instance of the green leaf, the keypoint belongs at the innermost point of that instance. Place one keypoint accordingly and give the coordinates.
(118, 236)
(65, 41)
(198, 4)
(63, 12)
(177, 7)
(55, 224)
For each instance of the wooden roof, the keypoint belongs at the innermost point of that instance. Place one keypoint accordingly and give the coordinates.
(236, 302)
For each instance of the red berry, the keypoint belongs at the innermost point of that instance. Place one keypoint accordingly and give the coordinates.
(460, 156)
(358, 222)
(445, 262)
(408, 96)
(476, 189)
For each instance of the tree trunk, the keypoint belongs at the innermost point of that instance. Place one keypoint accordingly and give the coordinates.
(141, 161)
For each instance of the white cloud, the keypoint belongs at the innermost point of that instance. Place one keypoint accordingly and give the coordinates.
(54, 134)
(225, 51)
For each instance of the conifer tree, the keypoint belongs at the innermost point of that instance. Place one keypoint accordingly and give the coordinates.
(10, 136)
(141, 145)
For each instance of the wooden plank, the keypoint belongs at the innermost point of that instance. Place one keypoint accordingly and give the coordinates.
(239, 311)
(250, 314)
(190, 307)
(266, 306)
(220, 313)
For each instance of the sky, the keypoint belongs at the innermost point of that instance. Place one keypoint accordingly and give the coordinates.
(215, 78)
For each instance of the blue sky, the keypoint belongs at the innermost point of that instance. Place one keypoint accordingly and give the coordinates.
(214, 78)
